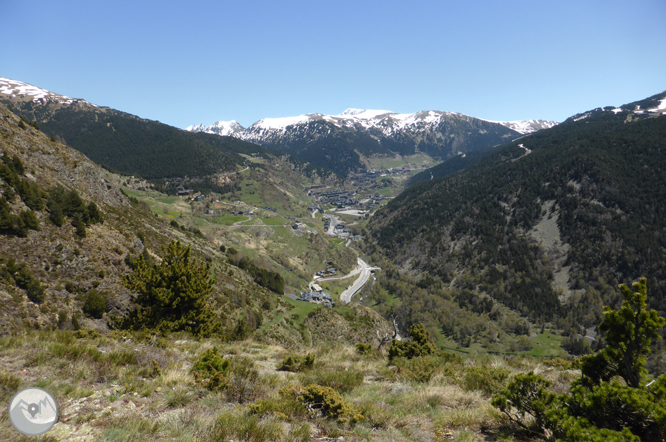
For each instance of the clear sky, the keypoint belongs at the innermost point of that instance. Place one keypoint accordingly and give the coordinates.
(193, 62)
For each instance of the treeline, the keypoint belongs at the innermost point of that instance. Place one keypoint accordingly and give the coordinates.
(20, 276)
(60, 203)
(11, 171)
(63, 203)
(266, 278)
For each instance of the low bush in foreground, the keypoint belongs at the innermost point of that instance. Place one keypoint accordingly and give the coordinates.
(297, 363)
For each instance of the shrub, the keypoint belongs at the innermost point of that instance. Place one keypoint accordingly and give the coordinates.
(329, 403)
(243, 379)
(363, 349)
(86, 333)
(485, 378)
(297, 363)
(211, 370)
(35, 292)
(95, 305)
(22, 277)
(420, 344)
(417, 369)
(526, 395)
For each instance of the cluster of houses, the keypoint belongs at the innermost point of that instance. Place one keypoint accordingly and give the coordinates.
(318, 298)
(270, 209)
(338, 198)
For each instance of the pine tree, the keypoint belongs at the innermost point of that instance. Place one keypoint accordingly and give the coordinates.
(173, 295)
(630, 331)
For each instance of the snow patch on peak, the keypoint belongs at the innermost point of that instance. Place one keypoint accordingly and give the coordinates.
(363, 114)
(525, 127)
(280, 123)
(18, 88)
(226, 128)
(222, 128)
(660, 108)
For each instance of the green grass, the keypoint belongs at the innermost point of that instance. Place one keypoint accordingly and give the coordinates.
(167, 199)
(228, 220)
(546, 345)
(275, 221)
(299, 310)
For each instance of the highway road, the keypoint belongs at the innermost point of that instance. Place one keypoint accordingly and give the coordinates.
(366, 270)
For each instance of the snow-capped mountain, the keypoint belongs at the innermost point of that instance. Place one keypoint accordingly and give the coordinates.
(528, 126)
(338, 141)
(222, 128)
(124, 142)
(25, 92)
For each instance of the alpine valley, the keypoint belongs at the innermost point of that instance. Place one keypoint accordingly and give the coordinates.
(342, 142)
(193, 284)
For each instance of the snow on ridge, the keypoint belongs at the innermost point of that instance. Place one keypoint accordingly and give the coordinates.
(661, 107)
(226, 128)
(525, 127)
(13, 87)
(363, 114)
(280, 123)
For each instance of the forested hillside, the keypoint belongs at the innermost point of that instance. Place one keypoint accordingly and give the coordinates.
(130, 145)
(549, 225)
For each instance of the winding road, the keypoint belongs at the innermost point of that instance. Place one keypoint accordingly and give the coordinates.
(365, 271)
(363, 268)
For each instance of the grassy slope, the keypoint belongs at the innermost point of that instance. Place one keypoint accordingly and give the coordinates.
(107, 389)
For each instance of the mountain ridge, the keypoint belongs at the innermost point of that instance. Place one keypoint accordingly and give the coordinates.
(361, 116)
(548, 225)
(339, 141)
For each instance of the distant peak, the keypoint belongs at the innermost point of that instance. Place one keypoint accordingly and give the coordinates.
(223, 128)
(363, 113)
(19, 88)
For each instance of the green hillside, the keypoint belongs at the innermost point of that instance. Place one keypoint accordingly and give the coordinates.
(548, 226)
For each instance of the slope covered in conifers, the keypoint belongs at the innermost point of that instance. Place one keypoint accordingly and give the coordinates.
(600, 177)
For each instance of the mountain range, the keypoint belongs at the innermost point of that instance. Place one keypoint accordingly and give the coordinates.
(340, 141)
(126, 143)
(548, 225)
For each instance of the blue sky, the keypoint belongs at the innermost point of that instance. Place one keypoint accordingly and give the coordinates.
(196, 62)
